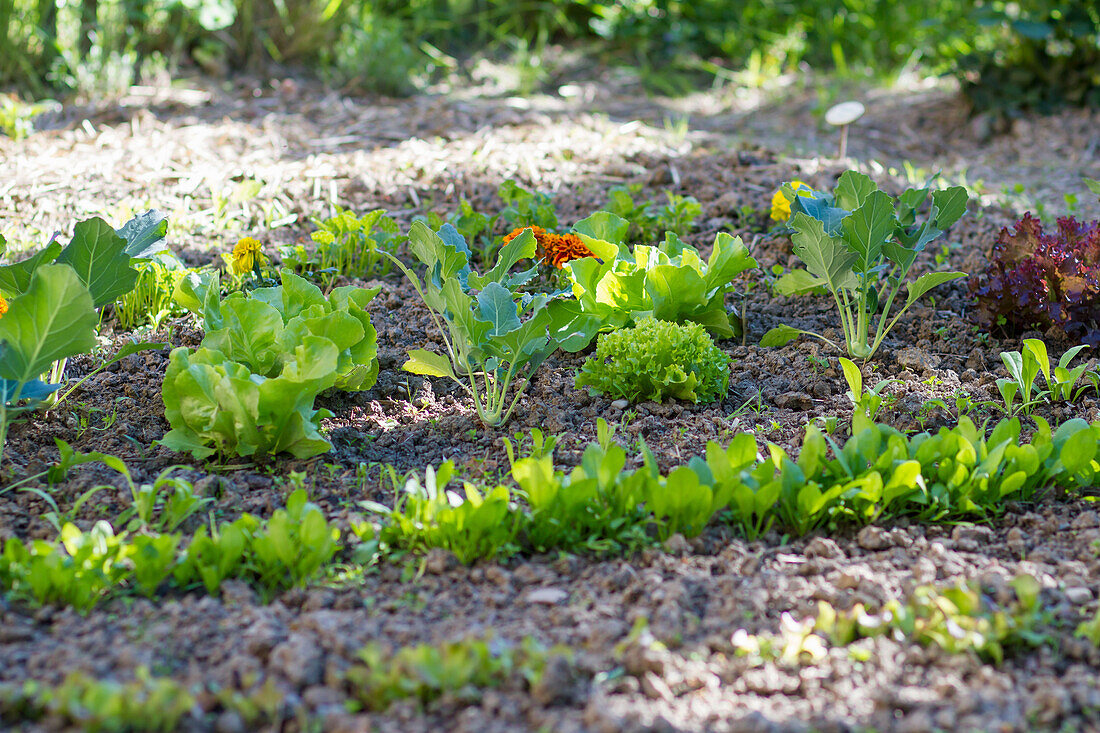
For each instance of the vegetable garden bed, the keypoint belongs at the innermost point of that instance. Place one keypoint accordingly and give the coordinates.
(903, 542)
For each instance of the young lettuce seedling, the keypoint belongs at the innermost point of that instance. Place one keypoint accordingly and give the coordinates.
(860, 243)
(868, 403)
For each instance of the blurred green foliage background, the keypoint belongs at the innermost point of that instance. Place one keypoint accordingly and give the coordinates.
(1039, 53)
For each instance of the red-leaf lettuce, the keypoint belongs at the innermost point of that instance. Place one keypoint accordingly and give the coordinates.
(1039, 280)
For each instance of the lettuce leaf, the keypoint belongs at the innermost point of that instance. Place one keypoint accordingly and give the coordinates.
(261, 330)
(670, 282)
(216, 405)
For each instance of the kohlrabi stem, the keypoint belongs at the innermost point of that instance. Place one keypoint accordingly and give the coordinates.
(4, 416)
(844, 307)
(477, 400)
(861, 322)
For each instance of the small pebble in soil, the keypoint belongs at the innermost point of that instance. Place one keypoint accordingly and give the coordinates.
(1078, 596)
(874, 538)
(548, 596)
(823, 547)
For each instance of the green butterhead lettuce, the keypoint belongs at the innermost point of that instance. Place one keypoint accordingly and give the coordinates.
(216, 405)
(261, 330)
(670, 282)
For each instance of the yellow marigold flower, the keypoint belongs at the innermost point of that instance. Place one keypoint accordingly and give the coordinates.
(3, 306)
(781, 207)
(554, 249)
(246, 255)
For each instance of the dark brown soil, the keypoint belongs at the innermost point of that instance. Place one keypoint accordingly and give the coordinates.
(181, 150)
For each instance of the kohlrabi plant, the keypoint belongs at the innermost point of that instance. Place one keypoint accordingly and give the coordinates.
(475, 227)
(860, 244)
(54, 298)
(492, 332)
(669, 282)
(52, 319)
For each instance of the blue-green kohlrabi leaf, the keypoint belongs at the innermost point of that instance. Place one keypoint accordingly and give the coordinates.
(15, 278)
(35, 390)
(98, 256)
(52, 320)
(144, 233)
(797, 282)
(909, 201)
(446, 254)
(950, 205)
(781, 335)
(522, 246)
(529, 342)
(825, 256)
(429, 364)
(496, 306)
(926, 282)
(818, 206)
(463, 319)
(868, 227)
(852, 190)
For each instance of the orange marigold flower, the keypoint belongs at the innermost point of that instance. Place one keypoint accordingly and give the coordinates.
(561, 248)
(553, 249)
(3, 306)
(539, 233)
